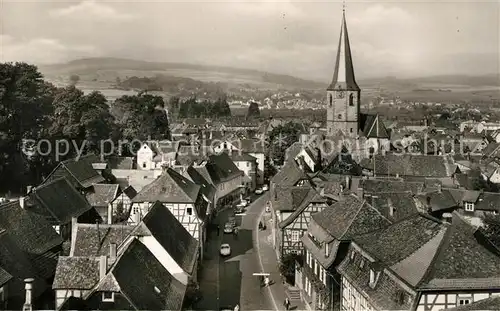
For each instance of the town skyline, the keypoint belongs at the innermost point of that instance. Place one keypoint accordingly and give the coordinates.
(388, 39)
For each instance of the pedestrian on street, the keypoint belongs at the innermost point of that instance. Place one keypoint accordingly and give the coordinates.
(287, 304)
(266, 281)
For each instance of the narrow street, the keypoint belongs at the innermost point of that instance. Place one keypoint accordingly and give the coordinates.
(228, 281)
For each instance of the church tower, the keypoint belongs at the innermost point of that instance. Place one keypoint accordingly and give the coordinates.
(343, 94)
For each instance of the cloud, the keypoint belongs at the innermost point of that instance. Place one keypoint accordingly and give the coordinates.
(91, 8)
(41, 50)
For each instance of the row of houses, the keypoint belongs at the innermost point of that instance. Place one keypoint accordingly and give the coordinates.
(402, 234)
(100, 234)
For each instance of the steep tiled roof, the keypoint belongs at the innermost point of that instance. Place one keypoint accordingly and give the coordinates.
(221, 168)
(171, 234)
(381, 185)
(387, 293)
(187, 155)
(402, 204)
(31, 232)
(292, 151)
(311, 197)
(438, 200)
(102, 194)
(464, 259)
(350, 217)
(492, 150)
(79, 172)
(241, 157)
(122, 163)
(145, 282)
(289, 174)
(395, 245)
(4, 276)
(130, 192)
(88, 241)
(411, 165)
(169, 187)
(252, 145)
(373, 127)
(60, 199)
(76, 273)
(206, 187)
(16, 263)
(489, 304)
(289, 198)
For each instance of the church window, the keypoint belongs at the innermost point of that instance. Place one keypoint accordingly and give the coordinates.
(350, 129)
(340, 116)
(351, 100)
(331, 100)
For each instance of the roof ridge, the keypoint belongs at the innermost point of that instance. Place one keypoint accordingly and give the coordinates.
(354, 217)
(423, 245)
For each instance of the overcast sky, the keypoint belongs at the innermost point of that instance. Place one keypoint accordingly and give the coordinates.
(401, 38)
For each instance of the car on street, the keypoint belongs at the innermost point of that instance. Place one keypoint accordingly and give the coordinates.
(265, 188)
(259, 191)
(239, 209)
(225, 250)
(228, 228)
(243, 203)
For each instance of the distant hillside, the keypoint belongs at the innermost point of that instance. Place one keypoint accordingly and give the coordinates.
(107, 69)
(121, 67)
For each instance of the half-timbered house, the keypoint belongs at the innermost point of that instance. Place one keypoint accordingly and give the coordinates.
(421, 264)
(79, 172)
(328, 235)
(111, 282)
(293, 226)
(181, 196)
(58, 202)
(29, 248)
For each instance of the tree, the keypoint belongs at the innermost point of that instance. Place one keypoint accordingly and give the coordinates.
(253, 110)
(281, 138)
(287, 266)
(492, 229)
(74, 79)
(84, 119)
(141, 117)
(269, 169)
(25, 110)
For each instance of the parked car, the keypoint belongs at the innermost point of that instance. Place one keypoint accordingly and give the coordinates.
(265, 188)
(243, 203)
(259, 191)
(248, 199)
(225, 250)
(239, 209)
(228, 228)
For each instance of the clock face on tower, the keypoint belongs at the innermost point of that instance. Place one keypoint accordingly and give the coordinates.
(340, 94)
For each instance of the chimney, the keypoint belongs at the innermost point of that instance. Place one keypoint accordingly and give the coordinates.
(29, 291)
(103, 266)
(391, 208)
(21, 202)
(341, 188)
(348, 182)
(322, 191)
(361, 193)
(447, 218)
(28, 189)
(112, 251)
(439, 186)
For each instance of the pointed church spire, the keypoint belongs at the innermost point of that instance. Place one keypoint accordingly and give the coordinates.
(343, 75)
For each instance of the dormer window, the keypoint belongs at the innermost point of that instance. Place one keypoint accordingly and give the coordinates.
(373, 277)
(469, 207)
(108, 297)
